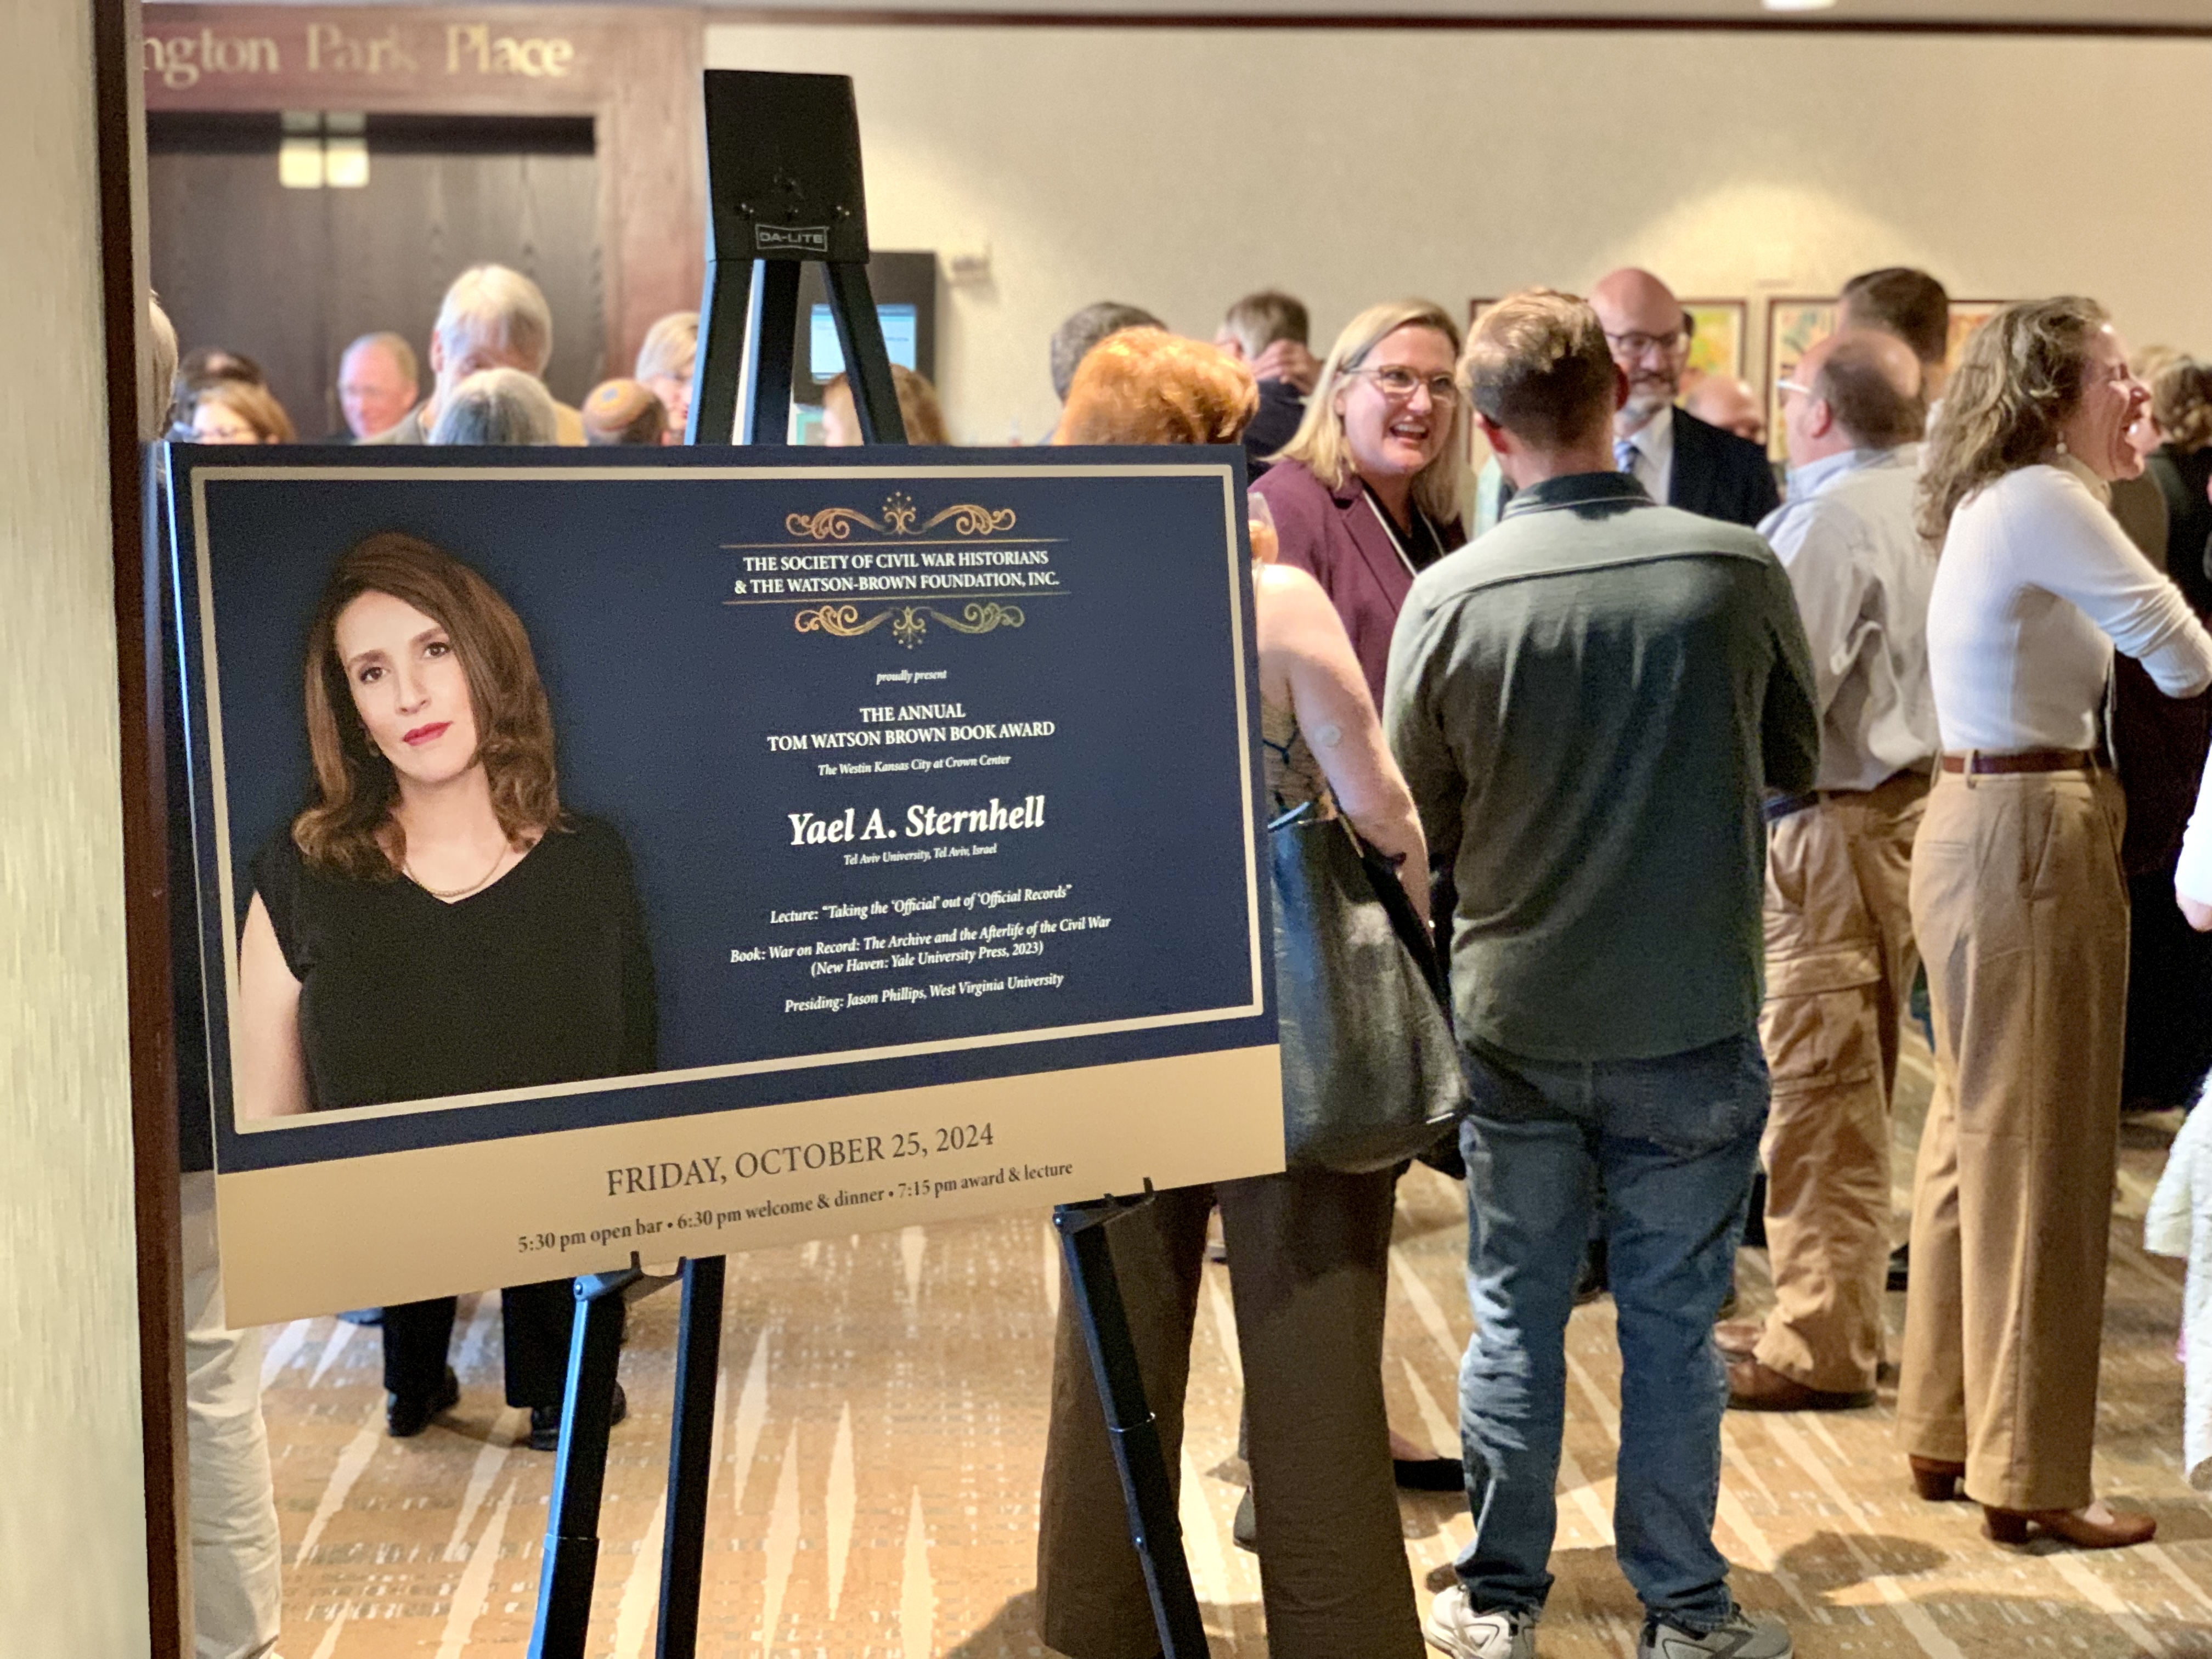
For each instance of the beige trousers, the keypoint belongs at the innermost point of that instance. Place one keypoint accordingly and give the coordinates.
(1308, 1259)
(2019, 904)
(1840, 962)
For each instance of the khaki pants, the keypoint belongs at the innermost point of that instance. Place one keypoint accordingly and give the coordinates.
(2018, 899)
(1840, 962)
(1308, 1255)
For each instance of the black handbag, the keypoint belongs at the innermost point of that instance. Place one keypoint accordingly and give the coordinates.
(1371, 1073)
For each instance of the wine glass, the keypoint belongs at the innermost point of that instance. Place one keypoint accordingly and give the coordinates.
(1260, 524)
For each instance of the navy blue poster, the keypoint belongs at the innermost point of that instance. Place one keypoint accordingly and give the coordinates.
(815, 785)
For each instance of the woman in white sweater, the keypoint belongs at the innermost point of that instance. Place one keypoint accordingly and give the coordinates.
(2021, 908)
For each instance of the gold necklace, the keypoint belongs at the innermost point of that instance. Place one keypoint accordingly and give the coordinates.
(476, 886)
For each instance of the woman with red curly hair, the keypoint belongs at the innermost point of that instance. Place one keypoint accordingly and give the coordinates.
(1309, 1248)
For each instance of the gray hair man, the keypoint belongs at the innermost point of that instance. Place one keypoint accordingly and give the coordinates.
(1588, 704)
(379, 383)
(1270, 333)
(497, 406)
(1072, 340)
(491, 318)
(1840, 954)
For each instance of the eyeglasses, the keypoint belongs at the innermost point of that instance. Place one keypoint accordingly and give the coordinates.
(1398, 383)
(1792, 385)
(1638, 345)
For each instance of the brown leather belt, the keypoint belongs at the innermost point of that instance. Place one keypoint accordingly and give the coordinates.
(1982, 762)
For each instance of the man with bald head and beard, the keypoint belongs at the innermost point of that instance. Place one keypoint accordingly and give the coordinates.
(1678, 460)
(1840, 954)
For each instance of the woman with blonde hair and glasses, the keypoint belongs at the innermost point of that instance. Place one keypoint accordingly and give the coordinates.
(1372, 489)
(1309, 1250)
(2021, 911)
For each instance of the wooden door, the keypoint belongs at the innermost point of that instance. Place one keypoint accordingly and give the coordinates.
(288, 276)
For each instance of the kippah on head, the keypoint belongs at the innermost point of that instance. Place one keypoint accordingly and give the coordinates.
(622, 412)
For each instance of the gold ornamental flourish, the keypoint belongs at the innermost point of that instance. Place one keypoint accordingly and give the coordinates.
(830, 523)
(970, 519)
(901, 517)
(910, 622)
(842, 620)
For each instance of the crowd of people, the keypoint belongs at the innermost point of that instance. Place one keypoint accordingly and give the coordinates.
(1696, 770)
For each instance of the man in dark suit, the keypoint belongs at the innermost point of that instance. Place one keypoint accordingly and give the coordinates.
(1677, 457)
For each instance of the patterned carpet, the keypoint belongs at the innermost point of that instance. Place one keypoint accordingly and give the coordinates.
(882, 1406)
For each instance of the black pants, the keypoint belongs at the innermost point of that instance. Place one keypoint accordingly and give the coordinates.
(537, 1320)
(2169, 1043)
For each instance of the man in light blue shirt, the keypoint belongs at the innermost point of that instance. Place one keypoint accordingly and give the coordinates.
(1839, 948)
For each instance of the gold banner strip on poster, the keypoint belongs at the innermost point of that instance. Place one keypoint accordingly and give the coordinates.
(400, 1226)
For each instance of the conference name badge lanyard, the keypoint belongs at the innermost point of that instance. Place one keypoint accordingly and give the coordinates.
(1397, 544)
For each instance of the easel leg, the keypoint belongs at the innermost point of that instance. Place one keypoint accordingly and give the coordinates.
(572, 1542)
(690, 1457)
(1153, 1527)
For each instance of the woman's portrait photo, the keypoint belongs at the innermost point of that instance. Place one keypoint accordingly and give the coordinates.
(434, 922)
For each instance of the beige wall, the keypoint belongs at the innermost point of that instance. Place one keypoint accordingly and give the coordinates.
(72, 1542)
(1179, 168)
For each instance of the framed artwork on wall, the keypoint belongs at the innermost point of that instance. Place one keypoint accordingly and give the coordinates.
(1967, 316)
(1717, 338)
(1476, 308)
(1794, 326)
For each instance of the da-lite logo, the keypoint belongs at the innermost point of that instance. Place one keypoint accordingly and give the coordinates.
(791, 238)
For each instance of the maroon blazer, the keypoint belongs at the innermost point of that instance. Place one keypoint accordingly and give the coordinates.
(1334, 536)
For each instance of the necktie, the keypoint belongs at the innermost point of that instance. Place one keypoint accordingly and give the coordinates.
(1624, 455)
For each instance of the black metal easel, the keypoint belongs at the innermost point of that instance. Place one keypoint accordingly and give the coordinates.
(784, 186)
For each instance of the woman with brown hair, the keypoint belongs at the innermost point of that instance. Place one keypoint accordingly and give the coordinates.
(2022, 912)
(227, 411)
(1309, 1248)
(435, 924)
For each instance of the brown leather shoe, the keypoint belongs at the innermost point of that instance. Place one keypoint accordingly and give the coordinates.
(1756, 1388)
(1935, 1479)
(2093, 1528)
(1738, 1338)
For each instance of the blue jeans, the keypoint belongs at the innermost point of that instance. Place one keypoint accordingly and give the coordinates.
(1674, 1141)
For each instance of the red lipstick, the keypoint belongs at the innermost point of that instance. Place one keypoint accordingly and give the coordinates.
(423, 734)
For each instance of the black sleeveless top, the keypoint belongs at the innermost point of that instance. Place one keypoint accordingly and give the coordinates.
(543, 977)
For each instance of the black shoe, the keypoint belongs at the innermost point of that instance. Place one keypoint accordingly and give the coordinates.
(405, 1417)
(1429, 1473)
(1592, 1281)
(545, 1422)
(1900, 1266)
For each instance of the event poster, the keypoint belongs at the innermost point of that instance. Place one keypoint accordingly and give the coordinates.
(876, 842)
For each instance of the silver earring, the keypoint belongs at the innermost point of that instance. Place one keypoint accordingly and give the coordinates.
(2062, 445)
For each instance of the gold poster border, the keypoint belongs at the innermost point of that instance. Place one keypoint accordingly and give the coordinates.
(219, 786)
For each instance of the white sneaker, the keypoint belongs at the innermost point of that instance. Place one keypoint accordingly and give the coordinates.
(1741, 1638)
(1458, 1629)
